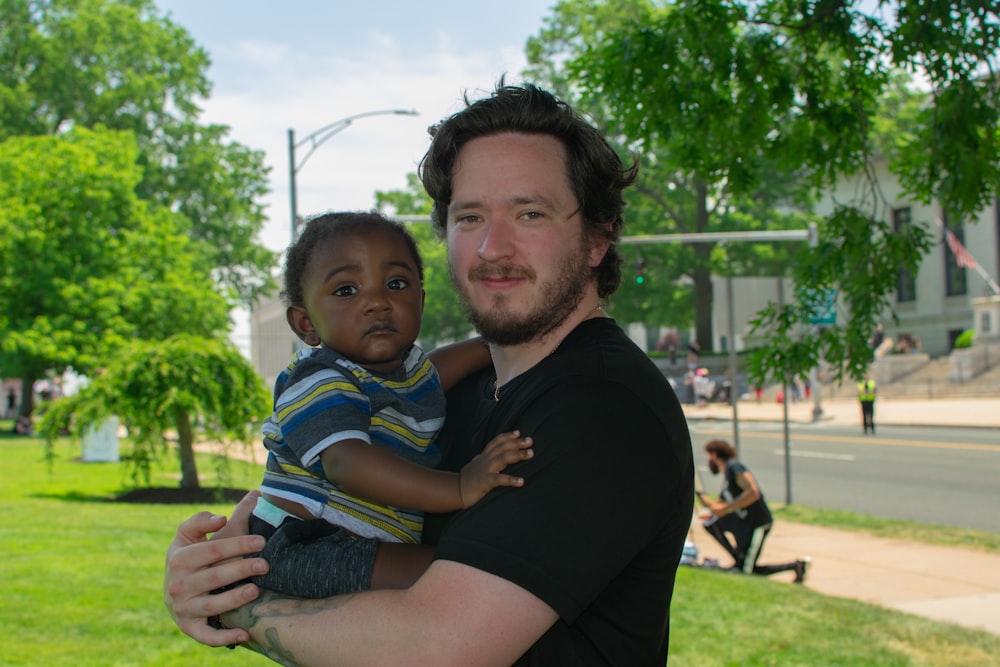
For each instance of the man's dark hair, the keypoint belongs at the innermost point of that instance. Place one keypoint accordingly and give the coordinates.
(596, 173)
(721, 449)
(324, 229)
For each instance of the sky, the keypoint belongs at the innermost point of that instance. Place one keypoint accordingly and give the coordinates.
(307, 64)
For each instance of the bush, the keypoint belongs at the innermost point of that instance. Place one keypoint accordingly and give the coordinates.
(964, 339)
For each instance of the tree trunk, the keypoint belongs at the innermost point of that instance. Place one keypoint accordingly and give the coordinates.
(703, 299)
(28, 379)
(702, 275)
(185, 447)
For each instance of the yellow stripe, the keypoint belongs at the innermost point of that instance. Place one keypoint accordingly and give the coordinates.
(400, 431)
(324, 388)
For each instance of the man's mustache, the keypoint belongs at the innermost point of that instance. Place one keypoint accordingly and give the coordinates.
(500, 272)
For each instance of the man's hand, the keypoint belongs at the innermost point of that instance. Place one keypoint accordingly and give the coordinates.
(197, 565)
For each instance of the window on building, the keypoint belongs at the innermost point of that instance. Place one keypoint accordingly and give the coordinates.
(906, 283)
(956, 279)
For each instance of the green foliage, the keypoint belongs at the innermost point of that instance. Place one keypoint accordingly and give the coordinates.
(964, 339)
(85, 265)
(863, 280)
(688, 141)
(122, 65)
(169, 387)
(743, 110)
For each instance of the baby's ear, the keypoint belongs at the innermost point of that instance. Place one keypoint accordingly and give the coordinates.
(298, 320)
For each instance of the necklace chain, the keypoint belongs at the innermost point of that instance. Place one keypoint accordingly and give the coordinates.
(496, 386)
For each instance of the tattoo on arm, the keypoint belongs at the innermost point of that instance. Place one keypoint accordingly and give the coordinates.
(261, 617)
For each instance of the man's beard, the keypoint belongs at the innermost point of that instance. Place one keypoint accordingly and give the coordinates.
(714, 467)
(554, 302)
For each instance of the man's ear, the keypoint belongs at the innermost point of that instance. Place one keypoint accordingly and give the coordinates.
(599, 247)
(298, 320)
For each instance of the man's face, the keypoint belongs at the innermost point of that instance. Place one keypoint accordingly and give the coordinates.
(713, 464)
(516, 246)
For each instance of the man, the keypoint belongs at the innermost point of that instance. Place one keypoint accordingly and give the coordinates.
(576, 567)
(866, 397)
(741, 512)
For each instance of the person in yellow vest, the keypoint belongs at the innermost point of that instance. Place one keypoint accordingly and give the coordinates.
(866, 395)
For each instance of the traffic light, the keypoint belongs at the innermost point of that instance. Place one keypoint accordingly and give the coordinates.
(640, 271)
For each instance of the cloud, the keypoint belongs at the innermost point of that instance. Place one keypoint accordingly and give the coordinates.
(280, 88)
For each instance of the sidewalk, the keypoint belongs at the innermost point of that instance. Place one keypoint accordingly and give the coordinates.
(948, 584)
(977, 412)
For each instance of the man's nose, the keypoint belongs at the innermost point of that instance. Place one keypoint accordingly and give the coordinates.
(498, 239)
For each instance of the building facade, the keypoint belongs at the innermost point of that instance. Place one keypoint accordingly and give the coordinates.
(933, 305)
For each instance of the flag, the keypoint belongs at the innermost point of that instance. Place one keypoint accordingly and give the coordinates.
(962, 256)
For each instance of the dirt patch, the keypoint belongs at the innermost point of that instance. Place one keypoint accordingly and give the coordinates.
(165, 495)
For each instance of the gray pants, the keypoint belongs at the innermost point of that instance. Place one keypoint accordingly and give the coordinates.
(313, 558)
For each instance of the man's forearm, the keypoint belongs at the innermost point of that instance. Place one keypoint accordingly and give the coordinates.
(266, 620)
(455, 615)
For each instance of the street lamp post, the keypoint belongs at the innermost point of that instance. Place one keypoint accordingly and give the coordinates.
(317, 139)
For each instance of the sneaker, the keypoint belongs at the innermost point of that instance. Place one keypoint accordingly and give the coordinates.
(800, 570)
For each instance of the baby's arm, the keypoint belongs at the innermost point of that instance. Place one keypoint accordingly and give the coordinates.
(373, 473)
(453, 362)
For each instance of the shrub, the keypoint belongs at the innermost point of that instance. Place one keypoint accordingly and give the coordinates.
(964, 339)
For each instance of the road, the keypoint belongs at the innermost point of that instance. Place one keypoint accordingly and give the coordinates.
(948, 476)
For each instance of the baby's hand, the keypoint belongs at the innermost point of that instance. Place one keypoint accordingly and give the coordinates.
(482, 474)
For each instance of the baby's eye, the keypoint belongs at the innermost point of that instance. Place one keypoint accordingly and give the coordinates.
(346, 290)
(398, 284)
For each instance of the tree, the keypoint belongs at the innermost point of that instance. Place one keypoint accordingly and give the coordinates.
(731, 93)
(121, 65)
(165, 387)
(86, 266)
(443, 319)
(672, 193)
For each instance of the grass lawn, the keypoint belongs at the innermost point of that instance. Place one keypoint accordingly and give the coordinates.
(81, 582)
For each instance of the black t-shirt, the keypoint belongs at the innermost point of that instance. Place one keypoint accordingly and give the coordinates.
(597, 529)
(757, 514)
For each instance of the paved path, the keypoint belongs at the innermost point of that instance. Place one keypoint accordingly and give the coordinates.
(942, 583)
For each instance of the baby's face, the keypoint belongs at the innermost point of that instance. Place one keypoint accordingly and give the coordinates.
(364, 298)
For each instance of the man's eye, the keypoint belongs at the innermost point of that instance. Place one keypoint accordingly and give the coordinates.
(345, 290)
(533, 215)
(398, 284)
(469, 219)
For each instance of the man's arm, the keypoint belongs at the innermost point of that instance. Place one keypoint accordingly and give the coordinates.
(454, 615)
(750, 494)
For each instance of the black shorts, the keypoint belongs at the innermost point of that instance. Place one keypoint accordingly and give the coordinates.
(313, 558)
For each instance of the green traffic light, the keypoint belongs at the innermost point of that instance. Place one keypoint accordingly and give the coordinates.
(640, 280)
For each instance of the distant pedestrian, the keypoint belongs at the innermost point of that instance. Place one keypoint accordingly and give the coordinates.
(741, 512)
(693, 351)
(11, 403)
(866, 396)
